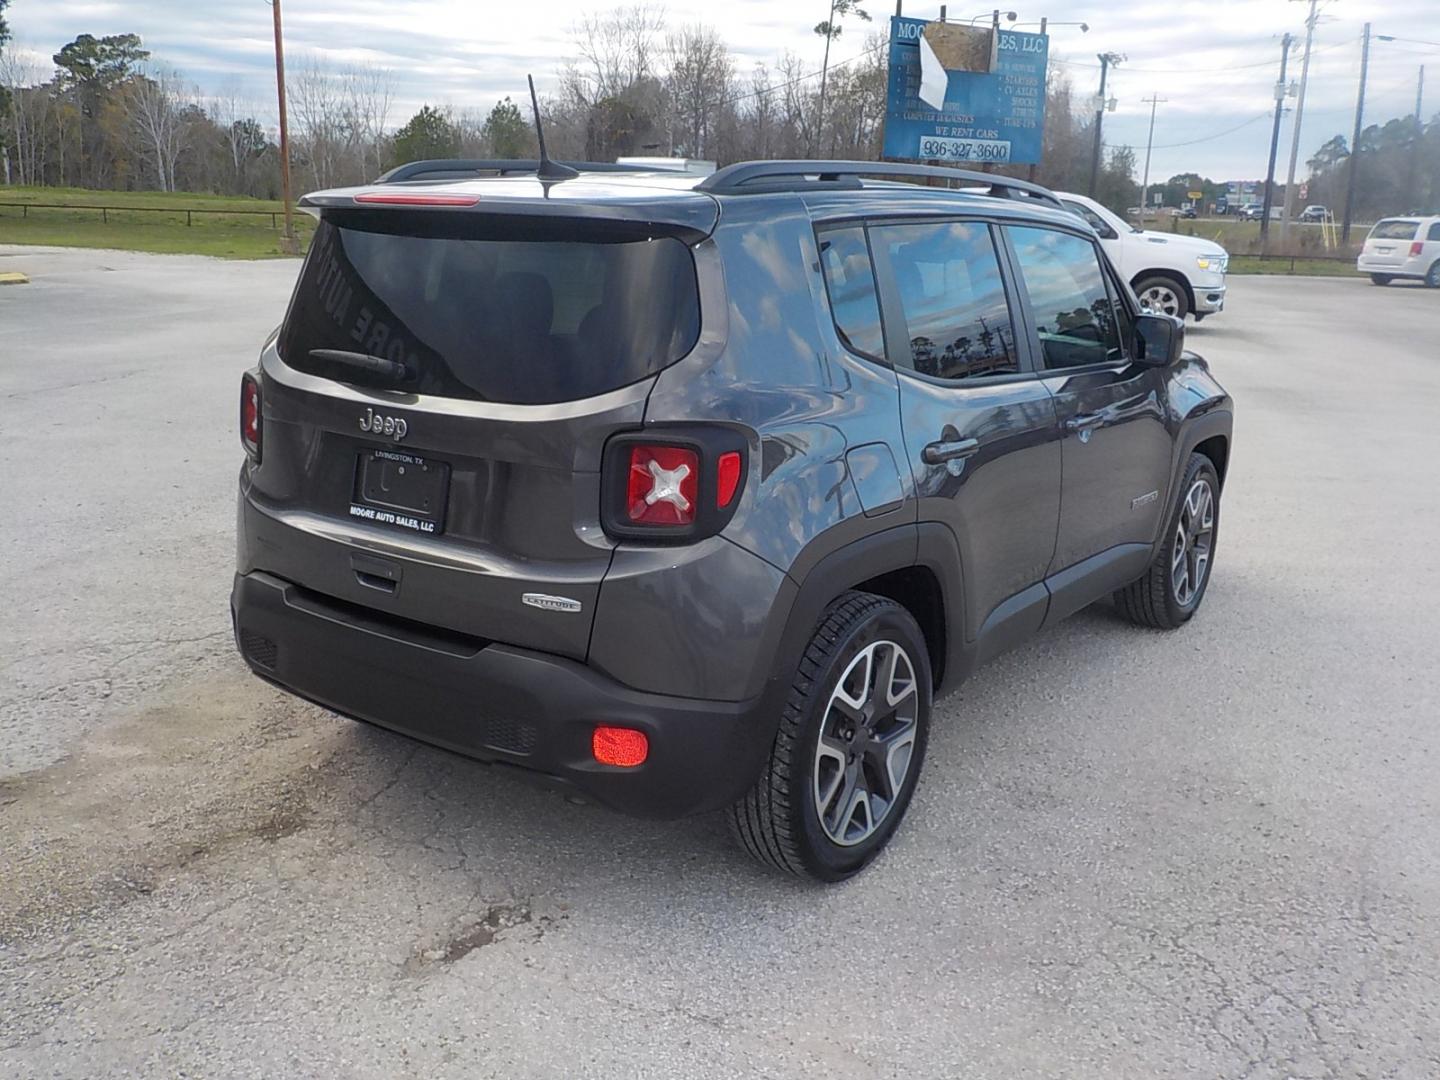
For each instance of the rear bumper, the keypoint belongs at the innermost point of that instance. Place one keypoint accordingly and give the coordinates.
(498, 703)
(1372, 264)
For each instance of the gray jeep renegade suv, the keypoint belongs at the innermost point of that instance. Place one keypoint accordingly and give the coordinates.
(694, 494)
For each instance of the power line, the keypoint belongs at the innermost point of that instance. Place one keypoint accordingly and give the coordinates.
(801, 78)
(1203, 71)
(1208, 138)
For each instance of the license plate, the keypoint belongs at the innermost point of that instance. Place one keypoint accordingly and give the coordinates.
(400, 489)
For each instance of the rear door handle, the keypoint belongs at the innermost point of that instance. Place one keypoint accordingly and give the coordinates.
(1085, 423)
(938, 453)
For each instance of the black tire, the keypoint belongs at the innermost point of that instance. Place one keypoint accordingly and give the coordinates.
(1432, 276)
(1177, 300)
(778, 821)
(1154, 599)
(1380, 279)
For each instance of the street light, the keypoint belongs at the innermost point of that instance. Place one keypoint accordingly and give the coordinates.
(1043, 23)
(995, 16)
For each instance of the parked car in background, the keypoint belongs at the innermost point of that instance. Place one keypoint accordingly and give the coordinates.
(1407, 247)
(1187, 212)
(1314, 213)
(1170, 273)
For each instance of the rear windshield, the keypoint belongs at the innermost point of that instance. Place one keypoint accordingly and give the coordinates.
(491, 311)
(1394, 229)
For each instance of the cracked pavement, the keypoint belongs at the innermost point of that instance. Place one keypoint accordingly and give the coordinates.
(1209, 854)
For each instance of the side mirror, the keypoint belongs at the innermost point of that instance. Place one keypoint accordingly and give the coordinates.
(1159, 339)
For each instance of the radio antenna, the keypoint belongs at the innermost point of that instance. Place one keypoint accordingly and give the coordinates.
(548, 170)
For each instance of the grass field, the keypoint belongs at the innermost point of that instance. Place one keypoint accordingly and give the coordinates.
(131, 221)
(1250, 264)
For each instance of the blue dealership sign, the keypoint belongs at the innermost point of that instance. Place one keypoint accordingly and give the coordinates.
(997, 116)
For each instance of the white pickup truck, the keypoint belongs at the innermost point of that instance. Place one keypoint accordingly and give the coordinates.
(1179, 275)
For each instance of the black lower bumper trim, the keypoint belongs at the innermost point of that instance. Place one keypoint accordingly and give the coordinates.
(498, 703)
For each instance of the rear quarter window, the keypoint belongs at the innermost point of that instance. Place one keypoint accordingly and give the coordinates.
(1394, 229)
(487, 311)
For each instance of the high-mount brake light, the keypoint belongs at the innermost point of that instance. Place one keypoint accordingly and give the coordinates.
(662, 485)
(250, 419)
(409, 198)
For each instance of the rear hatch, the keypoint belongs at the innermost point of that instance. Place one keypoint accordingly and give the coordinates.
(438, 398)
(1389, 242)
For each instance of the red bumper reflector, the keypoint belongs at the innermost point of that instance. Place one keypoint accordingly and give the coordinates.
(404, 198)
(621, 746)
(727, 475)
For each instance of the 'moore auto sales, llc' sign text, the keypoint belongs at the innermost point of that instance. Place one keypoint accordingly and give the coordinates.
(988, 116)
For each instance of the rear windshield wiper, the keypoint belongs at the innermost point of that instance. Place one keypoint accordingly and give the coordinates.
(392, 370)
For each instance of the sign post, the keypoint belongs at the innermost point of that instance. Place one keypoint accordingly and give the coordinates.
(994, 116)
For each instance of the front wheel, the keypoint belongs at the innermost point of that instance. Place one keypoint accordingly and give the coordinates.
(1380, 279)
(1163, 296)
(848, 751)
(1170, 591)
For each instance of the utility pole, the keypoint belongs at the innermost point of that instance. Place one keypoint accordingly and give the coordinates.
(1153, 102)
(1295, 132)
(1352, 173)
(1419, 141)
(1281, 92)
(288, 244)
(1034, 170)
(1106, 59)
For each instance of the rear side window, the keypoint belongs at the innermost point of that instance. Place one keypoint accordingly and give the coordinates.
(850, 282)
(1094, 220)
(1434, 233)
(953, 297)
(1394, 229)
(1073, 311)
(489, 312)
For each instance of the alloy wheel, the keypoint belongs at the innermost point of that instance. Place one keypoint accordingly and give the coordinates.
(866, 744)
(1194, 535)
(1160, 300)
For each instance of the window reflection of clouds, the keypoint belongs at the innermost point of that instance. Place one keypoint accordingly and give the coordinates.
(1067, 296)
(851, 284)
(954, 298)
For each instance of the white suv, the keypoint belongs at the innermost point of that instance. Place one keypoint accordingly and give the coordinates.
(1402, 248)
(1170, 273)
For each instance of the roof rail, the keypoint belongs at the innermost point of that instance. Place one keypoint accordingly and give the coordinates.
(753, 177)
(466, 168)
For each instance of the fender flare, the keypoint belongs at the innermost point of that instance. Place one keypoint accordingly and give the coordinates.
(927, 544)
(1198, 428)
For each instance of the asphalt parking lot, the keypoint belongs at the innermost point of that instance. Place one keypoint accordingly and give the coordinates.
(1209, 854)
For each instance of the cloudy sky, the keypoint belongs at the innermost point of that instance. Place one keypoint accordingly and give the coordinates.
(1215, 61)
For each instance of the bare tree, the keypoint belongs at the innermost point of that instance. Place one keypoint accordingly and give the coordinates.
(154, 104)
(617, 50)
(369, 91)
(698, 81)
(27, 117)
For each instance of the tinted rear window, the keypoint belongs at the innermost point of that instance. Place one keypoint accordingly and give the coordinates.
(1394, 229)
(492, 310)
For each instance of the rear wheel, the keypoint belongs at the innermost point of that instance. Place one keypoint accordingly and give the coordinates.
(1432, 277)
(1381, 279)
(848, 752)
(1163, 295)
(1170, 591)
